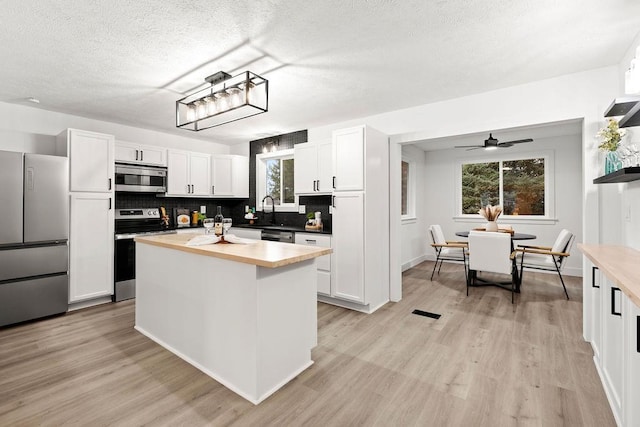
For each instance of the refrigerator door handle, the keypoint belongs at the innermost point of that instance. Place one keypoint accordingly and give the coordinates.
(30, 178)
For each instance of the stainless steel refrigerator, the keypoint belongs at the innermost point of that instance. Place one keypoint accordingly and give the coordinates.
(34, 257)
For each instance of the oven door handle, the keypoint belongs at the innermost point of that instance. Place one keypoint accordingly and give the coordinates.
(126, 236)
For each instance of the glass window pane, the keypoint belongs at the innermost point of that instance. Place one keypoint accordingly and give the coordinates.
(480, 186)
(273, 179)
(287, 181)
(405, 181)
(523, 184)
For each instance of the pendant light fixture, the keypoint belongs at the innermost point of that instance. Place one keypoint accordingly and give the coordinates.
(227, 99)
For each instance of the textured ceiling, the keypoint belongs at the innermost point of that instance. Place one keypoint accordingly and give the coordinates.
(326, 61)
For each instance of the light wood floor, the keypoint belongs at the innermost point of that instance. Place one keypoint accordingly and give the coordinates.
(483, 363)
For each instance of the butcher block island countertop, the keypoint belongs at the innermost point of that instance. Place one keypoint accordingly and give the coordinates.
(244, 314)
(263, 253)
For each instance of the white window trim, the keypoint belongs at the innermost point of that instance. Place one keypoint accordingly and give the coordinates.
(549, 188)
(410, 217)
(261, 184)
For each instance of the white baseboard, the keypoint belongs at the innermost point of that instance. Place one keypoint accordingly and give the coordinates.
(89, 303)
(412, 263)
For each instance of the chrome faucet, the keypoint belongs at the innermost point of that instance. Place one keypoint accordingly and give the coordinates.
(273, 208)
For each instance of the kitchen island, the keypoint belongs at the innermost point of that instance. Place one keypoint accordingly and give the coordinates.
(244, 314)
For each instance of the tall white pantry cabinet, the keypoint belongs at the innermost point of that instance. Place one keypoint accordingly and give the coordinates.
(360, 219)
(91, 184)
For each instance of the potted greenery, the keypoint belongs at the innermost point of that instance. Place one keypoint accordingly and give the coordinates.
(610, 139)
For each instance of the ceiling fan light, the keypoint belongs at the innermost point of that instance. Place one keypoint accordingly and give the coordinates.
(491, 147)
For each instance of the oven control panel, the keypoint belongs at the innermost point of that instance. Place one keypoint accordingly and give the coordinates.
(147, 213)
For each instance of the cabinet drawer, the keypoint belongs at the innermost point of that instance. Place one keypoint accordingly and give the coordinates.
(320, 240)
(42, 260)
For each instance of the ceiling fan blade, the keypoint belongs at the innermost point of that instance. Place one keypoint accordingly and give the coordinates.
(474, 148)
(517, 141)
(469, 146)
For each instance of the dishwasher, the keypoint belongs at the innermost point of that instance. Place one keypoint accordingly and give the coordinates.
(277, 236)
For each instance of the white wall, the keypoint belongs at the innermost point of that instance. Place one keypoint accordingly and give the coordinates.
(583, 95)
(415, 245)
(440, 191)
(628, 214)
(34, 130)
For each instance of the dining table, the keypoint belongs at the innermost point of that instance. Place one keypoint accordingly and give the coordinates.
(514, 236)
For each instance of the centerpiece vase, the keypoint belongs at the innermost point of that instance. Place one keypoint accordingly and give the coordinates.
(491, 226)
(612, 162)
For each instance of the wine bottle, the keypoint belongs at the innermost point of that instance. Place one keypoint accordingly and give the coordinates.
(217, 222)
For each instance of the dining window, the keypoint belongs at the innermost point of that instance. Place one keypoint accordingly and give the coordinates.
(520, 185)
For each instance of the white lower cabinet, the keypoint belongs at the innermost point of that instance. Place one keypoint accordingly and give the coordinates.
(90, 246)
(348, 246)
(612, 319)
(632, 364)
(323, 263)
(595, 306)
(612, 356)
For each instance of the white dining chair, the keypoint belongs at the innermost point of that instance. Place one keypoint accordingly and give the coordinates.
(547, 258)
(446, 250)
(491, 252)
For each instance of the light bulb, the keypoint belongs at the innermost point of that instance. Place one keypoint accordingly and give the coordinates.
(191, 112)
(202, 109)
(223, 101)
(211, 105)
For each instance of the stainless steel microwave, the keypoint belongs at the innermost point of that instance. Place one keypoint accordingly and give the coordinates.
(141, 179)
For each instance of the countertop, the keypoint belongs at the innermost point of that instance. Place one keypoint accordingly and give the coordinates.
(619, 264)
(262, 253)
(295, 228)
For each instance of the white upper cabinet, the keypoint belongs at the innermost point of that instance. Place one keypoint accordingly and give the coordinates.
(313, 167)
(128, 152)
(188, 173)
(306, 168)
(221, 175)
(348, 159)
(229, 176)
(325, 167)
(91, 155)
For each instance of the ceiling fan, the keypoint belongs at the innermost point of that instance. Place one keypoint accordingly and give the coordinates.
(492, 143)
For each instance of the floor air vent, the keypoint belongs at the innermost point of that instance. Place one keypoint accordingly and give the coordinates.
(426, 314)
